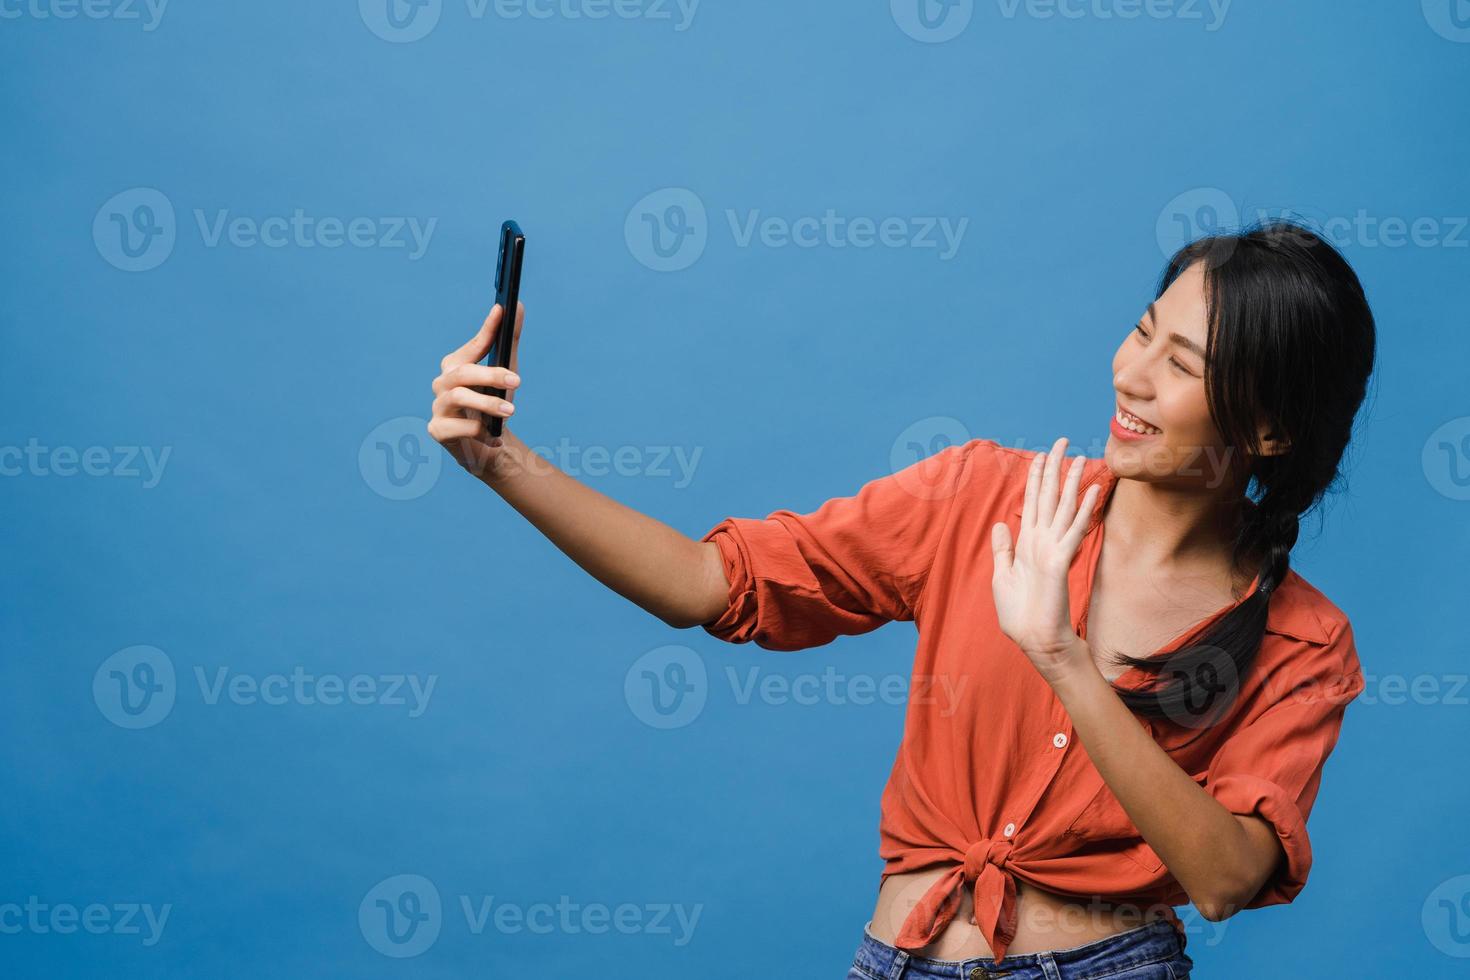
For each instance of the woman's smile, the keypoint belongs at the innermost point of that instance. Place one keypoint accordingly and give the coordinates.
(1126, 425)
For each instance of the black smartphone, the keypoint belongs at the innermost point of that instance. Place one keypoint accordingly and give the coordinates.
(507, 294)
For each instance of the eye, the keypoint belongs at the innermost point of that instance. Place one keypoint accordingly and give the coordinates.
(1175, 361)
(1138, 329)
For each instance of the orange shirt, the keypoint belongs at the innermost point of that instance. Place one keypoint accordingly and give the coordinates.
(988, 774)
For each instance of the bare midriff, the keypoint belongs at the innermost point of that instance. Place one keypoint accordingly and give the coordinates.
(1045, 920)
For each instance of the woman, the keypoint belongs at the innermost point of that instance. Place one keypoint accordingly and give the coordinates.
(1127, 728)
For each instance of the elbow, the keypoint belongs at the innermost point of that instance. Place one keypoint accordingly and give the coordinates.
(1216, 911)
(1218, 906)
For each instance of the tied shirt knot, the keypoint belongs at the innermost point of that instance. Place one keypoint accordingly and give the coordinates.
(985, 866)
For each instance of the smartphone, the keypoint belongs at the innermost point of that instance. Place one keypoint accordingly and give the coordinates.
(507, 294)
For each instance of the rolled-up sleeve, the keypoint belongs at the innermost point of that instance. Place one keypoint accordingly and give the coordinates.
(1272, 767)
(853, 564)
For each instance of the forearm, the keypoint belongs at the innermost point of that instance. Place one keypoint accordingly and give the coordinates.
(672, 576)
(1205, 846)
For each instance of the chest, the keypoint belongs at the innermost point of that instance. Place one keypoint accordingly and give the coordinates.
(1140, 611)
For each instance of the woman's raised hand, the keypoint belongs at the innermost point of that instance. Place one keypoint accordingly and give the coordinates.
(458, 415)
(1030, 581)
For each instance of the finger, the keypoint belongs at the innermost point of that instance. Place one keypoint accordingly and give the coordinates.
(1000, 547)
(515, 347)
(1067, 506)
(464, 398)
(1046, 505)
(445, 429)
(476, 347)
(1028, 509)
(1073, 537)
(475, 375)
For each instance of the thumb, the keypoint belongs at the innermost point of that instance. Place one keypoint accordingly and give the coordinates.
(1000, 545)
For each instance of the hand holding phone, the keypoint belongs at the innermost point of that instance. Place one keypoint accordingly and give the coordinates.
(468, 414)
(507, 296)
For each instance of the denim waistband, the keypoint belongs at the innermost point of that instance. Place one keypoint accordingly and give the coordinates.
(1151, 942)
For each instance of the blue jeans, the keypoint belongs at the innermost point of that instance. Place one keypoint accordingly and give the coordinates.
(1152, 951)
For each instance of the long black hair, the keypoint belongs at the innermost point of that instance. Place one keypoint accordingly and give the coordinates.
(1291, 341)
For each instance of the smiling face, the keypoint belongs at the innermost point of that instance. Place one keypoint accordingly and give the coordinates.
(1159, 377)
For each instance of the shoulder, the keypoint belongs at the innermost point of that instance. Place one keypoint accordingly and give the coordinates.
(1313, 642)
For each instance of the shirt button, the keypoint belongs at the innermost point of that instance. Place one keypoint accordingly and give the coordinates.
(1059, 739)
(1009, 829)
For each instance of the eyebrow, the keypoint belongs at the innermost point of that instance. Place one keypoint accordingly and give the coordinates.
(1178, 338)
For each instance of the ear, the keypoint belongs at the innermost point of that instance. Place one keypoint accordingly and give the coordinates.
(1272, 440)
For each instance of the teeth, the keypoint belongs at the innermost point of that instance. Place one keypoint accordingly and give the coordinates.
(1134, 425)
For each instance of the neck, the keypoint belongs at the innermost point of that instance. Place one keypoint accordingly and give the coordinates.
(1165, 526)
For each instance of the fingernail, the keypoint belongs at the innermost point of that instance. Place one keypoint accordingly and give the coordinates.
(509, 408)
(513, 378)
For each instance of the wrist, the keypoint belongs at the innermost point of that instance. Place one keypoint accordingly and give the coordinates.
(504, 463)
(1076, 671)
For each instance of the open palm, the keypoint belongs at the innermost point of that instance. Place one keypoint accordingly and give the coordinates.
(1030, 580)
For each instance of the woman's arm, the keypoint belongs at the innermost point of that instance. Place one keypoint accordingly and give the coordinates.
(1221, 859)
(674, 577)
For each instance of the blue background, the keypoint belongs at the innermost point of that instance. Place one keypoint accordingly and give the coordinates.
(1071, 145)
